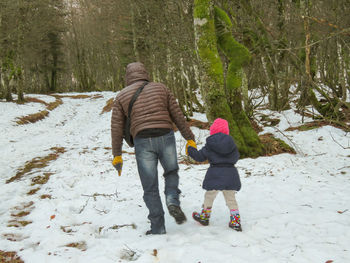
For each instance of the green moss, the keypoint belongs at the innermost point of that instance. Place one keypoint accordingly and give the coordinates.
(284, 146)
(222, 19)
(251, 139)
(236, 52)
(233, 80)
(212, 65)
(202, 9)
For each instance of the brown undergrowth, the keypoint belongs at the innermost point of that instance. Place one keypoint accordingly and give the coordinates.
(32, 118)
(108, 106)
(78, 245)
(81, 96)
(35, 100)
(19, 213)
(36, 163)
(10, 257)
(320, 121)
(317, 124)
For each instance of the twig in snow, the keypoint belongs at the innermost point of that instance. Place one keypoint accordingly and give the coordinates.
(338, 143)
(129, 254)
(134, 252)
(267, 240)
(116, 192)
(292, 252)
(344, 167)
(307, 205)
(97, 194)
(86, 203)
(125, 225)
(101, 211)
(319, 154)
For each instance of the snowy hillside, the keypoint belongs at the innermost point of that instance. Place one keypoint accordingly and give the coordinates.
(62, 201)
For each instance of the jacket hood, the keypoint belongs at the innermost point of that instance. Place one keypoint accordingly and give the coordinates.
(135, 71)
(221, 143)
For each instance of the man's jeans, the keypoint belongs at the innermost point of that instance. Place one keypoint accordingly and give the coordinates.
(148, 152)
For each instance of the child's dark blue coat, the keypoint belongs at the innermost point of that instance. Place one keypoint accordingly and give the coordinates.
(222, 153)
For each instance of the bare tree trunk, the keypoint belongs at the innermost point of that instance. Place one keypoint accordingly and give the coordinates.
(8, 94)
(245, 94)
(2, 92)
(307, 43)
(20, 88)
(134, 38)
(342, 71)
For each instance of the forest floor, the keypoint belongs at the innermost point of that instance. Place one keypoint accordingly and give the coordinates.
(62, 201)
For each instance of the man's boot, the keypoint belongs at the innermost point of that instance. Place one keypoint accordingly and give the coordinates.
(176, 212)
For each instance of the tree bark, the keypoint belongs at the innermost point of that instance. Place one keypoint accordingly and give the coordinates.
(8, 94)
(20, 88)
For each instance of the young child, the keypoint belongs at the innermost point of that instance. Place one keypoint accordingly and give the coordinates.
(222, 153)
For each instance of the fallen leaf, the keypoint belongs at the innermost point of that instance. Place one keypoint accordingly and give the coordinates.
(329, 261)
(52, 217)
(155, 252)
(341, 212)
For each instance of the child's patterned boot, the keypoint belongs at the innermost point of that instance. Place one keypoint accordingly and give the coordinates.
(235, 220)
(203, 217)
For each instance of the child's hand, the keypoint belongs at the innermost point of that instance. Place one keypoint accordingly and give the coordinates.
(190, 143)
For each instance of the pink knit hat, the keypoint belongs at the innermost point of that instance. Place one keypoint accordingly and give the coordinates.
(219, 125)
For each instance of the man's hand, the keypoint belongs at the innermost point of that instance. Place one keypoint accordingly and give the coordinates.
(190, 143)
(118, 164)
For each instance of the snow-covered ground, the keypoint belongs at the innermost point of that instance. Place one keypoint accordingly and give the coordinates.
(294, 208)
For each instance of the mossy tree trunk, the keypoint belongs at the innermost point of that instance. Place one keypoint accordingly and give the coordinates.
(237, 55)
(220, 102)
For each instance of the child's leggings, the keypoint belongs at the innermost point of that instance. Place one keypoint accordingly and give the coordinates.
(229, 195)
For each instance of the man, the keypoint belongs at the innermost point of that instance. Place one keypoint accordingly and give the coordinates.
(152, 117)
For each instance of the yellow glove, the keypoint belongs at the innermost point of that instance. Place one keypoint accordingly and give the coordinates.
(190, 143)
(118, 164)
